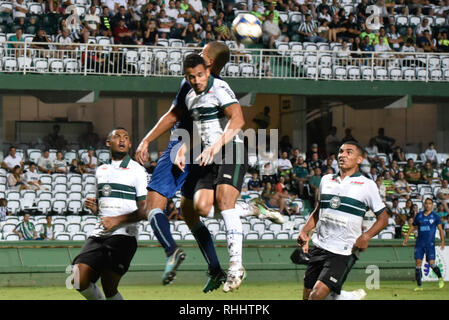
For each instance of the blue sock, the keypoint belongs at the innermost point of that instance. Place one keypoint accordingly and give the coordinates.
(161, 228)
(206, 244)
(418, 275)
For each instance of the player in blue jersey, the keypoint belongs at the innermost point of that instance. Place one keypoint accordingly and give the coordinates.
(426, 222)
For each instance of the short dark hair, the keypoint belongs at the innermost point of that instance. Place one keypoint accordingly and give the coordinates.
(112, 132)
(193, 60)
(359, 147)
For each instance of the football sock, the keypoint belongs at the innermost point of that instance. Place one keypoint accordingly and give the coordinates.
(92, 292)
(244, 209)
(161, 228)
(206, 244)
(117, 296)
(418, 275)
(436, 269)
(234, 234)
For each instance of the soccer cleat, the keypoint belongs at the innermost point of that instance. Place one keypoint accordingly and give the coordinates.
(440, 283)
(172, 265)
(359, 294)
(236, 274)
(418, 289)
(266, 213)
(214, 282)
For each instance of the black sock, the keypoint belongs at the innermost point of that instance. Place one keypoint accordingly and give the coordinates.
(436, 269)
(418, 275)
(206, 244)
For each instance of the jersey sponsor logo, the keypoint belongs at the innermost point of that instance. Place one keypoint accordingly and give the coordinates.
(335, 202)
(333, 279)
(107, 190)
(227, 176)
(357, 182)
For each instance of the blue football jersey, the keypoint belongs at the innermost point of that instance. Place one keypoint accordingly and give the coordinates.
(427, 226)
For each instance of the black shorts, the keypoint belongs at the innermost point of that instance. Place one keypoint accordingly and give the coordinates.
(330, 268)
(109, 253)
(208, 177)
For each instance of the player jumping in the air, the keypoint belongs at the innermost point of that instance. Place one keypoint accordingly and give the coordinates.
(167, 180)
(106, 254)
(426, 222)
(343, 200)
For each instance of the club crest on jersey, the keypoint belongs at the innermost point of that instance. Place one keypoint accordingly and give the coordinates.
(431, 221)
(106, 190)
(195, 114)
(335, 202)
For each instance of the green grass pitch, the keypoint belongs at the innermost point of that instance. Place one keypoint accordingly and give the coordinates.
(389, 290)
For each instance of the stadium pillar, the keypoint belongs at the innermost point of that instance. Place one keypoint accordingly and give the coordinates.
(442, 142)
(1, 125)
(296, 119)
(150, 119)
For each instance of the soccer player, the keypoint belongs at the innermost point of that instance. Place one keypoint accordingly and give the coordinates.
(218, 119)
(121, 190)
(343, 200)
(166, 180)
(426, 222)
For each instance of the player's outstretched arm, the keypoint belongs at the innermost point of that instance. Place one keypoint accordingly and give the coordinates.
(111, 223)
(165, 123)
(180, 160)
(380, 224)
(407, 236)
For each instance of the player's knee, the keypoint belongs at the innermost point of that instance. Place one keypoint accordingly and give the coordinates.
(203, 208)
(224, 203)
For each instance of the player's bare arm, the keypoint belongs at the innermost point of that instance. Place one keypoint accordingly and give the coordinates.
(110, 223)
(304, 235)
(235, 124)
(91, 203)
(380, 224)
(165, 123)
(180, 159)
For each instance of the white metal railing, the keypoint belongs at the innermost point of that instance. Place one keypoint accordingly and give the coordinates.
(281, 63)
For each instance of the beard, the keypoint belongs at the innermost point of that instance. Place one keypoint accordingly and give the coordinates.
(117, 155)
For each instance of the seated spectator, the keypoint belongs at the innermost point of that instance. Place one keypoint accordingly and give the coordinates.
(222, 31)
(268, 174)
(443, 42)
(258, 11)
(308, 30)
(372, 173)
(275, 199)
(401, 186)
(41, 36)
(254, 184)
(60, 165)
(48, 230)
(383, 48)
(356, 49)
(431, 154)
(368, 32)
(284, 164)
(399, 155)
(409, 35)
(17, 42)
(383, 142)
(313, 149)
(372, 150)
(445, 172)
(32, 177)
(95, 59)
(300, 175)
(105, 23)
(335, 29)
(92, 21)
(328, 168)
(381, 188)
(412, 174)
(55, 140)
(280, 185)
(295, 154)
(12, 160)
(314, 163)
(172, 212)
(314, 182)
(425, 42)
(324, 15)
(123, 14)
(408, 210)
(150, 35)
(189, 35)
(367, 46)
(25, 229)
(4, 209)
(90, 161)
(365, 166)
(394, 39)
(15, 180)
(66, 41)
(352, 28)
(45, 163)
(123, 35)
(20, 9)
(75, 167)
(398, 216)
(165, 23)
(389, 186)
(394, 169)
(381, 166)
(443, 195)
(427, 173)
(405, 229)
(424, 26)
